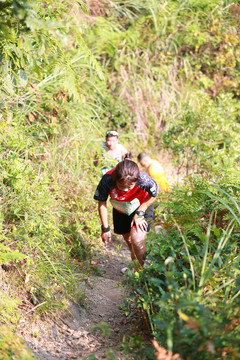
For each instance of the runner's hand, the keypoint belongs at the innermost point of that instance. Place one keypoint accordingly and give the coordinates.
(106, 237)
(140, 222)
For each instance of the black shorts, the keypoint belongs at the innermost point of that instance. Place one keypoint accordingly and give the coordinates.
(122, 222)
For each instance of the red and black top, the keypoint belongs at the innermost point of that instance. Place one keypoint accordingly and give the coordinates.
(126, 202)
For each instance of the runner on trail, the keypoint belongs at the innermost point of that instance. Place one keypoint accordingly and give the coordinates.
(112, 151)
(155, 170)
(131, 192)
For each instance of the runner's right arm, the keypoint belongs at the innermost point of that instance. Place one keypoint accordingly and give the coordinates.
(101, 195)
(103, 213)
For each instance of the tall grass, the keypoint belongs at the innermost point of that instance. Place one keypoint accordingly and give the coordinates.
(50, 109)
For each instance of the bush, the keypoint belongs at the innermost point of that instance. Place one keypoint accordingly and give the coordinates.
(190, 288)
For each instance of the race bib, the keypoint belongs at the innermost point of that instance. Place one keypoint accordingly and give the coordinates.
(126, 207)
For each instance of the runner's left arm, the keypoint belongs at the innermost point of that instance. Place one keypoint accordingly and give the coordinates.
(148, 184)
(140, 221)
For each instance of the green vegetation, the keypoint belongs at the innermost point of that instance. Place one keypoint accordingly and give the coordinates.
(190, 290)
(166, 74)
(11, 347)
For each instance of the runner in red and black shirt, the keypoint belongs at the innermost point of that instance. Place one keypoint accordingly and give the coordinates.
(131, 193)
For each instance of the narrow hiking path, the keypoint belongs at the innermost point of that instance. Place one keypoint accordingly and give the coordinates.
(72, 336)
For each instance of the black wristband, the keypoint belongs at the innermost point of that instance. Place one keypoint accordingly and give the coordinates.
(105, 229)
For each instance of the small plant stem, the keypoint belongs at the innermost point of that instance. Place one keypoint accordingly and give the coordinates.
(31, 310)
(189, 256)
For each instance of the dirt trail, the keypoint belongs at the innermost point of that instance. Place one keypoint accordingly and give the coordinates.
(73, 337)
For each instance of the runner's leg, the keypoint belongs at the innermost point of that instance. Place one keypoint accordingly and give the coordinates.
(138, 237)
(138, 244)
(127, 238)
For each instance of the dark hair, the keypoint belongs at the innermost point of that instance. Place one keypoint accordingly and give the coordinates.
(128, 156)
(126, 171)
(142, 155)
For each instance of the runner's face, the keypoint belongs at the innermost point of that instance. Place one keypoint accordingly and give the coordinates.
(111, 142)
(125, 187)
(145, 163)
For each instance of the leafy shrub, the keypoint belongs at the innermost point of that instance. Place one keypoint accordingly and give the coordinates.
(201, 146)
(190, 289)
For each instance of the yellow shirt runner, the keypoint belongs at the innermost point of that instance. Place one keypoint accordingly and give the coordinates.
(156, 171)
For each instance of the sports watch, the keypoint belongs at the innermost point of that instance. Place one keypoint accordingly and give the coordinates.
(140, 213)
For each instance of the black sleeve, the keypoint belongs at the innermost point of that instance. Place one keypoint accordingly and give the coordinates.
(148, 184)
(104, 187)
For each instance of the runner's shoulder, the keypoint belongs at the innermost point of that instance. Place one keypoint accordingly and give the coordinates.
(145, 181)
(104, 187)
(107, 179)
